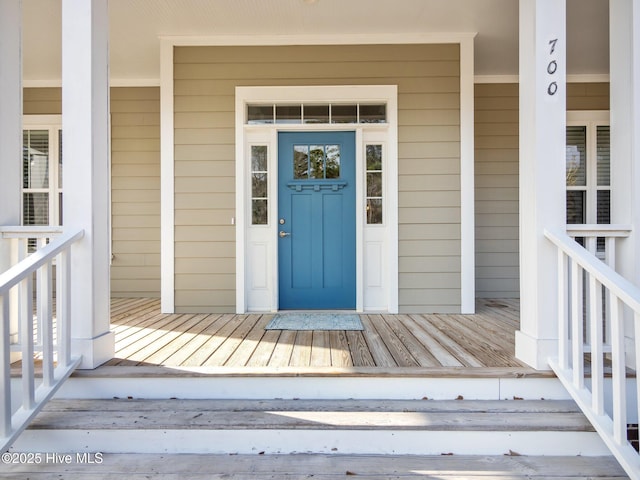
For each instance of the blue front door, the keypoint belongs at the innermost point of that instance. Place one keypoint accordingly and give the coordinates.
(316, 215)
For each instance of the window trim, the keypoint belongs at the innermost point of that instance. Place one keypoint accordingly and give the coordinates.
(52, 123)
(591, 119)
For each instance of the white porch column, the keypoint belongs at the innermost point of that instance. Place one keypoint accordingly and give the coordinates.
(10, 120)
(10, 134)
(624, 65)
(85, 123)
(542, 173)
(624, 68)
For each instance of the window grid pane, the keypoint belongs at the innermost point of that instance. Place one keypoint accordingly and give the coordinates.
(603, 210)
(576, 213)
(374, 197)
(604, 155)
(60, 160)
(576, 156)
(289, 114)
(259, 114)
(35, 208)
(35, 164)
(259, 185)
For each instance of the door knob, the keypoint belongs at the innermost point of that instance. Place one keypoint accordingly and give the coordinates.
(283, 234)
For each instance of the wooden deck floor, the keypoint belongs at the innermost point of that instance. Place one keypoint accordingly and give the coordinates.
(144, 336)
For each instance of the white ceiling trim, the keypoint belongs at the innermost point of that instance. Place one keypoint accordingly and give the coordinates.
(346, 39)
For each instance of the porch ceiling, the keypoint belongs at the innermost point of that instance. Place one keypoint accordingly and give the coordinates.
(137, 24)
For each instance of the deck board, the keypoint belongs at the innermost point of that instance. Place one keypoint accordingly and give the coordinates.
(377, 347)
(339, 349)
(301, 355)
(144, 336)
(360, 353)
(283, 349)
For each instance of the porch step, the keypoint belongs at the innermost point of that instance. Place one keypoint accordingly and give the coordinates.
(415, 427)
(322, 467)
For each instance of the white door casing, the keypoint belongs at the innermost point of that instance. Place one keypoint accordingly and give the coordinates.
(376, 245)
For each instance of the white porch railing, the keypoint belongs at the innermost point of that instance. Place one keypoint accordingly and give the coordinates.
(577, 268)
(599, 240)
(591, 234)
(23, 241)
(16, 300)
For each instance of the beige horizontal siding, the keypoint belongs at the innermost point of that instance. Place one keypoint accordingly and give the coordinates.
(588, 96)
(429, 159)
(135, 192)
(496, 179)
(496, 191)
(42, 101)
(135, 183)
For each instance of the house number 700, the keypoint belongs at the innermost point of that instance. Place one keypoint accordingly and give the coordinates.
(552, 68)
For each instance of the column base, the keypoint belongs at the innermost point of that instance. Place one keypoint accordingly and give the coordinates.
(95, 351)
(535, 352)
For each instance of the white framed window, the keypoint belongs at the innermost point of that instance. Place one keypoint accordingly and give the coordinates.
(588, 170)
(42, 170)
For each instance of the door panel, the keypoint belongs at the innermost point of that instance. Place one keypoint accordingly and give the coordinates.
(316, 195)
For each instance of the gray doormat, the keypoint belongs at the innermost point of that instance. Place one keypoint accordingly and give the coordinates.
(315, 321)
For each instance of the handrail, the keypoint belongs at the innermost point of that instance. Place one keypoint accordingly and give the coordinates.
(12, 277)
(606, 275)
(31, 231)
(598, 230)
(16, 296)
(575, 266)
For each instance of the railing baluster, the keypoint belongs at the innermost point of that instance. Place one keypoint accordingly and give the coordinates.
(577, 333)
(46, 323)
(610, 252)
(618, 371)
(597, 360)
(563, 317)
(40, 242)
(5, 372)
(26, 340)
(14, 298)
(22, 253)
(610, 260)
(63, 307)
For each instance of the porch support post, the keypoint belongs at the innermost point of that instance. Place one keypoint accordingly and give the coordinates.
(10, 120)
(85, 122)
(10, 137)
(542, 173)
(624, 66)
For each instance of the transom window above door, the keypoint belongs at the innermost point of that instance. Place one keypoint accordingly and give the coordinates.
(317, 113)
